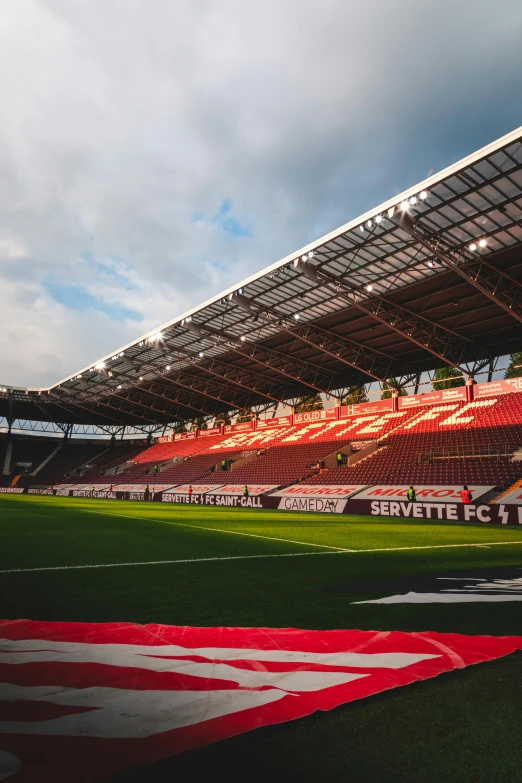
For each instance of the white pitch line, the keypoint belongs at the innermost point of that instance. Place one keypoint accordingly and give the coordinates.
(166, 562)
(245, 557)
(304, 543)
(218, 530)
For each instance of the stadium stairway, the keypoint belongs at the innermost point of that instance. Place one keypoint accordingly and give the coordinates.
(450, 443)
(516, 484)
(46, 460)
(7, 459)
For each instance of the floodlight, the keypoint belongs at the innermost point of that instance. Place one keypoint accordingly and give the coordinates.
(378, 219)
(482, 243)
(297, 316)
(243, 338)
(423, 196)
(369, 287)
(472, 247)
(413, 200)
(404, 206)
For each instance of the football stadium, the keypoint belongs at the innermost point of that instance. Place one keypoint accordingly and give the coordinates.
(227, 545)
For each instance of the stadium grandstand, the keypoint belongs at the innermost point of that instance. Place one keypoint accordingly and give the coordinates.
(318, 370)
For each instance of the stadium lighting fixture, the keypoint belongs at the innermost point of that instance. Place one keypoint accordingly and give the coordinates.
(141, 377)
(404, 206)
(311, 254)
(472, 247)
(303, 259)
(201, 354)
(423, 195)
(369, 287)
(297, 316)
(369, 223)
(362, 228)
(431, 264)
(99, 366)
(378, 219)
(413, 200)
(119, 386)
(242, 338)
(167, 367)
(482, 243)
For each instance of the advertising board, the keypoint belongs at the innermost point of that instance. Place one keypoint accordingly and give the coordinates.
(238, 489)
(335, 491)
(438, 493)
(365, 408)
(244, 426)
(306, 418)
(497, 387)
(430, 398)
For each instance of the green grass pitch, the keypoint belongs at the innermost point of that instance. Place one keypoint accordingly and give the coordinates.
(187, 565)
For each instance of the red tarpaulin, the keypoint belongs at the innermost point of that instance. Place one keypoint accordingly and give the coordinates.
(80, 701)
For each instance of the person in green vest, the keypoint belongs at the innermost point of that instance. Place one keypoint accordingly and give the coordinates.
(245, 491)
(411, 494)
(223, 464)
(339, 459)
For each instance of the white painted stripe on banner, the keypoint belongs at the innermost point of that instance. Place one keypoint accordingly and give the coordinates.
(170, 657)
(441, 598)
(132, 714)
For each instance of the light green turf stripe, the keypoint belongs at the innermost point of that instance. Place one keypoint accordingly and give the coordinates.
(218, 530)
(305, 543)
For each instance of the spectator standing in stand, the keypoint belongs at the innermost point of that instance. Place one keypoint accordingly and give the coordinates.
(411, 495)
(245, 491)
(339, 459)
(147, 492)
(465, 495)
(223, 464)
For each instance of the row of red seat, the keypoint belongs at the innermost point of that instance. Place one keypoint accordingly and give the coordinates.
(288, 454)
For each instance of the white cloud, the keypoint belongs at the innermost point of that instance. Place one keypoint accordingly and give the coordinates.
(122, 119)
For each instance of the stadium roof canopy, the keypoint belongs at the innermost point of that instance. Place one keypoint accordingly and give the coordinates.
(431, 277)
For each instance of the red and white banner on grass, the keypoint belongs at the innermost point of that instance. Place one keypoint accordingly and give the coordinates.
(81, 701)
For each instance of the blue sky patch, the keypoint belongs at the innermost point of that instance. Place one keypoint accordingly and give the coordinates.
(225, 220)
(76, 297)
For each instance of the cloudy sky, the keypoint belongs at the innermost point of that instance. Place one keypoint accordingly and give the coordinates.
(153, 152)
